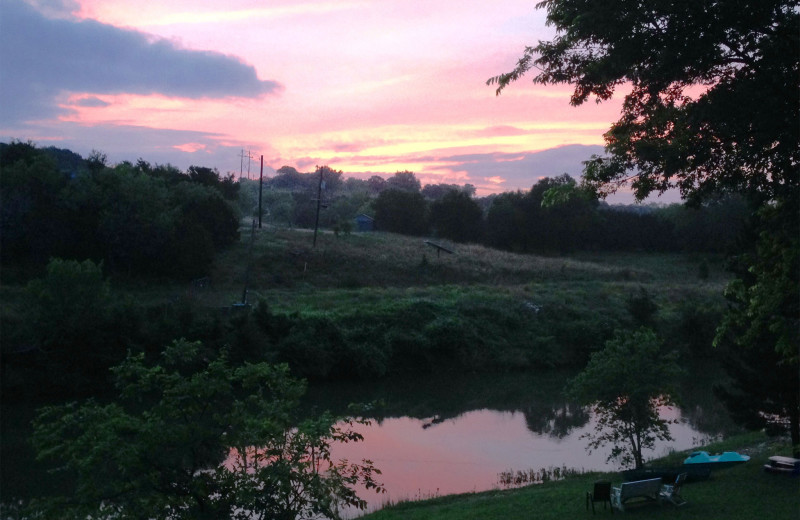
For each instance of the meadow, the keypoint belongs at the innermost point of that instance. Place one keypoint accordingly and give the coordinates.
(372, 304)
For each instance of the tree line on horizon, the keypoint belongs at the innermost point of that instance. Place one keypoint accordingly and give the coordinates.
(155, 220)
(556, 216)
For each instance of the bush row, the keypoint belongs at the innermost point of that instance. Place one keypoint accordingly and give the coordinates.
(72, 327)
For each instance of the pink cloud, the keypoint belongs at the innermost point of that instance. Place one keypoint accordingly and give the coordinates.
(190, 147)
(501, 131)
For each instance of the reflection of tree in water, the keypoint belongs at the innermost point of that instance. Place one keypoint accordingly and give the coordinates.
(538, 395)
(433, 400)
(700, 408)
(555, 420)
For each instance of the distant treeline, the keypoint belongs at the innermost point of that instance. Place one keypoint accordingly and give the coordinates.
(135, 218)
(555, 216)
(156, 220)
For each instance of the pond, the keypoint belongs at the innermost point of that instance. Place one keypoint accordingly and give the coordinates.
(438, 435)
(441, 435)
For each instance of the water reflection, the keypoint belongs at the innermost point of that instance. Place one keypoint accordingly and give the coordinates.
(557, 421)
(435, 436)
(538, 396)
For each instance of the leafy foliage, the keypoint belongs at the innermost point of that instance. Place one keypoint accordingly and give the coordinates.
(137, 219)
(72, 328)
(457, 216)
(194, 437)
(31, 210)
(625, 384)
(713, 109)
(210, 177)
(642, 308)
(555, 216)
(694, 69)
(763, 323)
(401, 211)
(404, 181)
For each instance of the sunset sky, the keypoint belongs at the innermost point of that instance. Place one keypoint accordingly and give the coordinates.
(365, 86)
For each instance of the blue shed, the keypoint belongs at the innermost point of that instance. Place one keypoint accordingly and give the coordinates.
(365, 223)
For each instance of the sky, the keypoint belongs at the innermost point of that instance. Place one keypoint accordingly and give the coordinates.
(369, 87)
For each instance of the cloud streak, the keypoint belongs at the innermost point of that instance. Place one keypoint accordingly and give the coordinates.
(515, 171)
(490, 172)
(42, 57)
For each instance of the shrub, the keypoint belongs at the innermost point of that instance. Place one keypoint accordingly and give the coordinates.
(70, 319)
(158, 452)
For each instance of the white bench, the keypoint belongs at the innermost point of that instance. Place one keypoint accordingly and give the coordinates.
(648, 489)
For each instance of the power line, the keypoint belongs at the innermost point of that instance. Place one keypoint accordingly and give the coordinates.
(242, 156)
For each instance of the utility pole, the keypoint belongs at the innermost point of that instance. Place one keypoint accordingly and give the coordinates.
(241, 163)
(249, 264)
(319, 204)
(260, 186)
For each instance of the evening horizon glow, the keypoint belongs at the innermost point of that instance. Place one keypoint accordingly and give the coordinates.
(366, 87)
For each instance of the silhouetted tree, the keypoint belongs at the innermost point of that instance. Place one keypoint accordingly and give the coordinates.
(401, 212)
(437, 191)
(712, 109)
(157, 450)
(625, 384)
(457, 217)
(210, 177)
(404, 181)
(376, 184)
(506, 222)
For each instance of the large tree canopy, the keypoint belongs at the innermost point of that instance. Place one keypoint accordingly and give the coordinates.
(712, 106)
(713, 102)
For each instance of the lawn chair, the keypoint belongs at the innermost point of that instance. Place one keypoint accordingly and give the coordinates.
(671, 492)
(600, 493)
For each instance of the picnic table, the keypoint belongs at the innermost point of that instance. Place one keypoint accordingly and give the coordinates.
(785, 465)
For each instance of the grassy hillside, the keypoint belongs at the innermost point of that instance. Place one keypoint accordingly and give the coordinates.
(284, 263)
(374, 304)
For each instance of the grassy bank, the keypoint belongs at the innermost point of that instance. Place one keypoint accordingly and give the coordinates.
(378, 304)
(743, 492)
(285, 259)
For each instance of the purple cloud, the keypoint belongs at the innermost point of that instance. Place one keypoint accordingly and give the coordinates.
(91, 102)
(42, 57)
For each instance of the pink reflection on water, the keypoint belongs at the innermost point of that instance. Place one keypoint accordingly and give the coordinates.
(467, 453)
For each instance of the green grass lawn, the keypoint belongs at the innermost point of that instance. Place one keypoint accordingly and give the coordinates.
(743, 492)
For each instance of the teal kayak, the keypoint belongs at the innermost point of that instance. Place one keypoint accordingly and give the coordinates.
(723, 460)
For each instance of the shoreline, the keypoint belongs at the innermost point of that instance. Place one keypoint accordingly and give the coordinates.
(744, 492)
